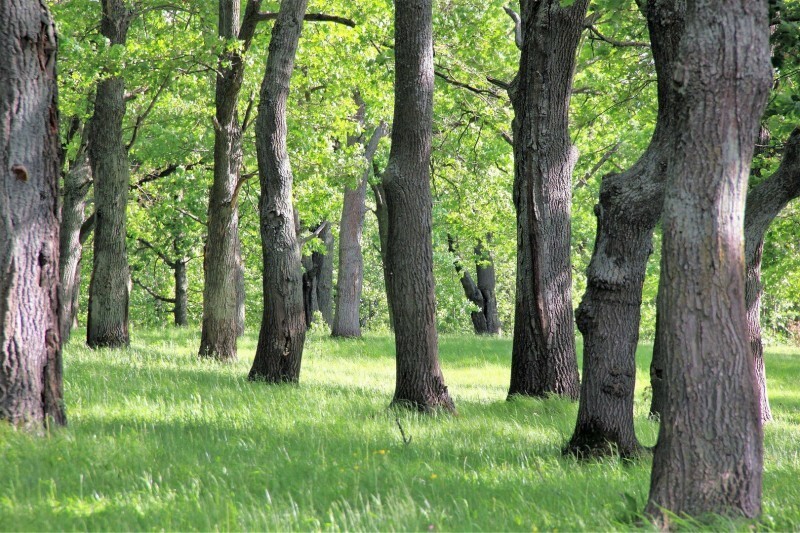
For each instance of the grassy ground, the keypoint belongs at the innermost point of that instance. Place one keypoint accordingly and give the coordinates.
(161, 440)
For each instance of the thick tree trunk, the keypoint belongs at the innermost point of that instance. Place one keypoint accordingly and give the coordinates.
(31, 391)
(708, 458)
(764, 203)
(351, 261)
(406, 182)
(181, 293)
(283, 326)
(382, 216)
(627, 213)
(223, 298)
(543, 358)
(109, 286)
(77, 181)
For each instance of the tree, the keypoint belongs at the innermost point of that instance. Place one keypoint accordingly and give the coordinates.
(223, 263)
(764, 203)
(382, 217)
(177, 262)
(544, 359)
(109, 287)
(31, 392)
(608, 317)
(708, 458)
(283, 326)
(484, 320)
(77, 182)
(406, 182)
(318, 275)
(351, 262)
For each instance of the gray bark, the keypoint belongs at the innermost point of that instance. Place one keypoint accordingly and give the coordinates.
(77, 181)
(628, 210)
(708, 458)
(223, 291)
(543, 358)
(485, 320)
(351, 261)
(406, 182)
(181, 293)
(764, 203)
(31, 392)
(283, 327)
(109, 286)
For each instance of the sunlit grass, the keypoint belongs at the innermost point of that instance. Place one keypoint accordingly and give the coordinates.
(159, 439)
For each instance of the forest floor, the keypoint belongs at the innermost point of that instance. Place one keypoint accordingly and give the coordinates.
(160, 440)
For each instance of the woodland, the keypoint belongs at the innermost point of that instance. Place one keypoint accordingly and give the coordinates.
(557, 238)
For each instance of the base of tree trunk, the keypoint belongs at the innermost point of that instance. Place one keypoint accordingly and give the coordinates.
(588, 443)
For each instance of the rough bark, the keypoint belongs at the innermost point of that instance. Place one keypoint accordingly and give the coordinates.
(107, 324)
(31, 391)
(223, 291)
(314, 272)
(283, 327)
(325, 277)
(406, 182)
(351, 261)
(485, 320)
(708, 458)
(77, 181)
(382, 216)
(764, 203)
(628, 210)
(543, 358)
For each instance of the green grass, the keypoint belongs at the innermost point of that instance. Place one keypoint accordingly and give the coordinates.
(158, 439)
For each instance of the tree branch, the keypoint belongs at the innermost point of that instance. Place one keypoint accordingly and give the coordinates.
(158, 252)
(456, 83)
(153, 293)
(141, 118)
(519, 40)
(313, 17)
(593, 29)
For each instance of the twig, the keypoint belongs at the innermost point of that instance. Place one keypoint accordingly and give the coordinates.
(406, 441)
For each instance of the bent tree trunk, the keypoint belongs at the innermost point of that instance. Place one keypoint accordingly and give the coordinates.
(222, 265)
(31, 392)
(764, 203)
(346, 321)
(419, 381)
(627, 213)
(543, 358)
(77, 181)
(708, 458)
(109, 286)
(283, 325)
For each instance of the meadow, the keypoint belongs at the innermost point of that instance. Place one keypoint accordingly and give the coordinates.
(160, 440)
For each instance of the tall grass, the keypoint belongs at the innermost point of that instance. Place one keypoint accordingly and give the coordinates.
(159, 439)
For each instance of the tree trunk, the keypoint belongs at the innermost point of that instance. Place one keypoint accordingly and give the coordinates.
(240, 290)
(485, 320)
(109, 286)
(764, 203)
(77, 181)
(543, 358)
(31, 392)
(223, 298)
(708, 458)
(627, 213)
(419, 381)
(382, 216)
(351, 262)
(181, 292)
(283, 326)
(325, 277)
